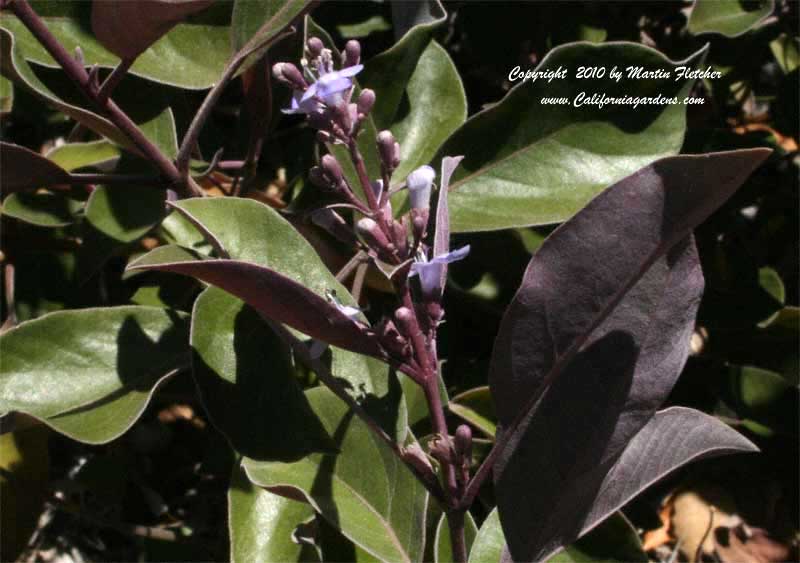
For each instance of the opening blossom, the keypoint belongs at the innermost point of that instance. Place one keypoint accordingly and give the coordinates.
(327, 89)
(430, 271)
(419, 184)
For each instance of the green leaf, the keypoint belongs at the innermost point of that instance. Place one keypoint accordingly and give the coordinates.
(262, 524)
(363, 28)
(161, 132)
(125, 213)
(246, 382)
(443, 550)
(191, 56)
(14, 67)
(6, 95)
(420, 17)
(253, 21)
(786, 50)
(389, 72)
(476, 407)
(728, 17)
(90, 373)
(771, 282)
(758, 390)
(254, 232)
(72, 156)
(114, 218)
(431, 104)
(364, 491)
(41, 209)
(489, 542)
(613, 540)
(532, 164)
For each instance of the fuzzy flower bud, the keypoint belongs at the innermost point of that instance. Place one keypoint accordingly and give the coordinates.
(333, 223)
(419, 184)
(463, 441)
(332, 168)
(405, 321)
(315, 46)
(373, 236)
(289, 74)
(352, 53)
(386, 149)
(365, 101)
(319, 178)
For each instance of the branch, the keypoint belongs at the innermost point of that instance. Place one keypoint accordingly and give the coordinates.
(193, 133)
(78, 75)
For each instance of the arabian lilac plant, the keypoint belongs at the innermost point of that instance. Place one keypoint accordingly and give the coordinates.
(588, 350)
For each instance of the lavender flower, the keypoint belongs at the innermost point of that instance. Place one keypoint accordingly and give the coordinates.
(326, 90)
(430, 271)
(419, 186)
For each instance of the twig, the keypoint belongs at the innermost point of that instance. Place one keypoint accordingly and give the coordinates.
(357, 259)
(358, 281)
(85, 82)
(193, 133)
(113, 79)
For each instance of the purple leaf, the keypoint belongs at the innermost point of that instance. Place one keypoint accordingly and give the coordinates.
(23, 169)
(673, 437)
(276, 297)
(594, 340)
(128, 28)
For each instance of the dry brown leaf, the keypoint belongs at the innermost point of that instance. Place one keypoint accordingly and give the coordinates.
(660, 536)
(743, 544)
(693, 511)
(786, 143)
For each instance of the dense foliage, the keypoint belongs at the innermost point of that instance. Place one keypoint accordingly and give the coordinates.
(288, 280)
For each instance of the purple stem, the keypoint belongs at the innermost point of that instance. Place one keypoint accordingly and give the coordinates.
(77, 73)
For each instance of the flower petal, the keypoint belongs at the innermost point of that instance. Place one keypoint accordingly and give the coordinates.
(454, 256)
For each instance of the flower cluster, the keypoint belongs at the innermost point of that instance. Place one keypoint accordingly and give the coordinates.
(324, 95)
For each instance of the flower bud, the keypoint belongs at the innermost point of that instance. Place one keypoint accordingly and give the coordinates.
(405, 321)
(419, 223)
(463, 441)
(318, 178)
(365, 101)
(386, 149)
(419, 186)
(396, 155)
(342, 116)
(288, 74)
(315, 46)
(334, 224)
(352, 53)
(323, 137)
(377, 188)
(372, 235)
(399, 236)
(332, 168)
